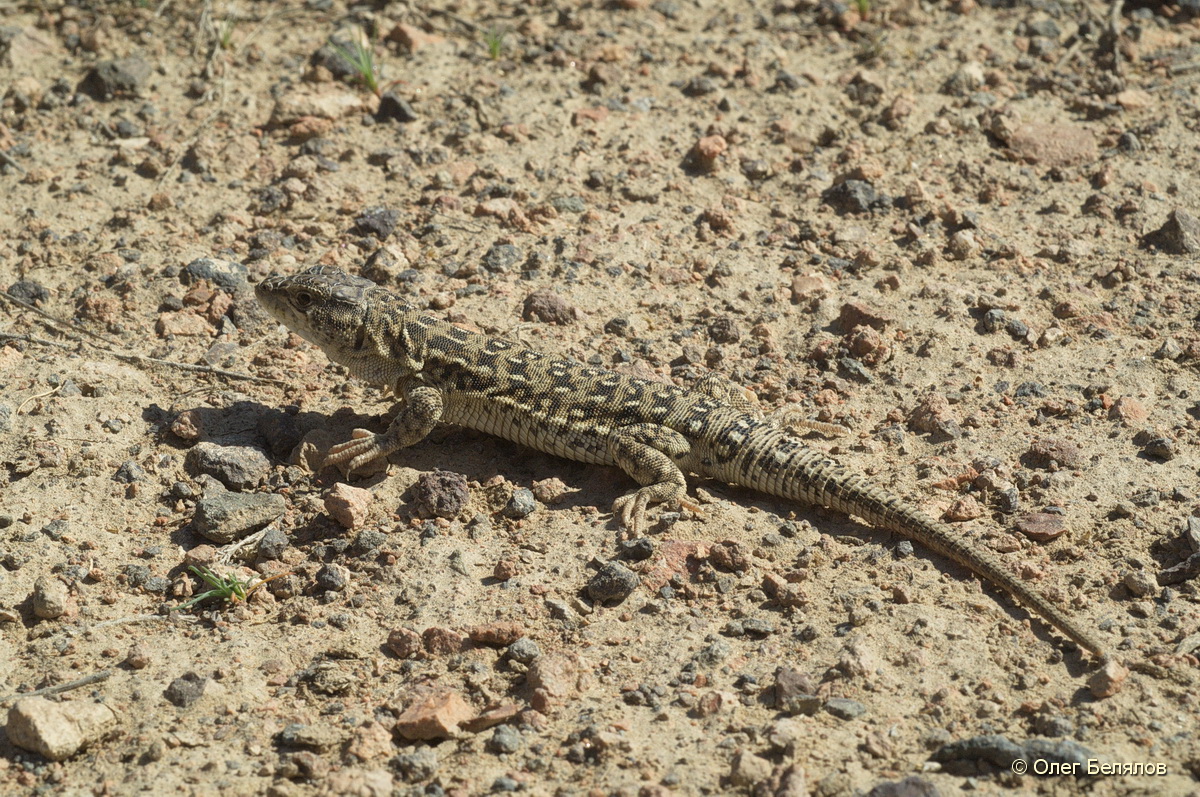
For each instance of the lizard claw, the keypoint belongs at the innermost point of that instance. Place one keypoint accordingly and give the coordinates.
(362, 447)
(631, 509)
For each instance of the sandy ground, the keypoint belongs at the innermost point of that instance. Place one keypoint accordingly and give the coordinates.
(963, 232)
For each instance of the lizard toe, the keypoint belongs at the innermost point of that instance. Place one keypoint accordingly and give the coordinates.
(361, 448)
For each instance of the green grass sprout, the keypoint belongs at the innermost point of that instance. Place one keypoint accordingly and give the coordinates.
(225, 36)
(361, 58)
(493, 38)
(227, 588)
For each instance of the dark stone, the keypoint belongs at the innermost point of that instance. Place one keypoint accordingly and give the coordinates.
(186, 689)
(851, 196)
(637, 550)
(440, 494)
(332, 578)
(613, 582)
(724, 330)
(393, 106)
(1162, 448)
(280, 430)
(501, 257)
(129, 472)
(29, 292)
(136, 575)
(273, 543)
(378, 221)
(270, 199)
(699, 86)
(117, 76)
(368, 542)
(522, 504)
(524, 650)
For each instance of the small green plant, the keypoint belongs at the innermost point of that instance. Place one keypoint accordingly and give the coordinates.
(493, 38)
(361, 58)
(225, 35)
(227, 588)
(864, 8)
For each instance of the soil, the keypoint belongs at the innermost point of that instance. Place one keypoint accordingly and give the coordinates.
(962, 232)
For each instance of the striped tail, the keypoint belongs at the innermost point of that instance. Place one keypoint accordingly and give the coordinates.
(781, 465)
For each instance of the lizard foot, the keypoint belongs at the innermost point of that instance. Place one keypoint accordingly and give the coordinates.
(362, 447)
(631, 508)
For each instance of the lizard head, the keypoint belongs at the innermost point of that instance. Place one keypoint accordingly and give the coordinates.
(353, 320)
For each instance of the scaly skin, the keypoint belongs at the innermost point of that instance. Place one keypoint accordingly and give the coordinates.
(654, 432)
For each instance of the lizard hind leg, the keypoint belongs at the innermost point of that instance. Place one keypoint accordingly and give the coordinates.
(649, 453)
(793, 420)
(720, 387)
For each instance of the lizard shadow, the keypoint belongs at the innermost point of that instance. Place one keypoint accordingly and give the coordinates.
(480, 457)
(875, 547)
(477, 456)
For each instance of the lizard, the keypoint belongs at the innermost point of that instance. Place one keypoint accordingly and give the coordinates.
(655, 432)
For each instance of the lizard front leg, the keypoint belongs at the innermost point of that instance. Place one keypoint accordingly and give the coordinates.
(421, 412)
(649, 454)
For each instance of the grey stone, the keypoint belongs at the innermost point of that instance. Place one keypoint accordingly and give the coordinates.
(393, 106)
(226, 274)
(845, 708)
(572, 203)
(524, 650)
(223, 516)
(238, 467)
(129, 472)
(418, 765)
(713, 654)
(521, 505)
(912, 786)
(505, 740)
(1179, 235)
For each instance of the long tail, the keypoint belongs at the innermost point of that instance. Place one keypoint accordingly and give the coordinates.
(783, 466)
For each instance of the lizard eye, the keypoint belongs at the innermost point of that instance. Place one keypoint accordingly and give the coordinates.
(303, 299)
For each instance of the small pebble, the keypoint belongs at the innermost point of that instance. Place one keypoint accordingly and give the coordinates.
(524, 650)
(613, 582)
(50, 598)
